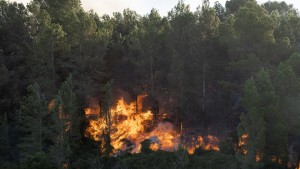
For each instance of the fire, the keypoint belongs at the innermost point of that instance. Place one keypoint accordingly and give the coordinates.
(276, 160)
(212, 144)
(242, 143)
(93, 109)
(154, 147)
(129, 125)
(258, 157)
(51, 105)
(61, 114)
(167, 137)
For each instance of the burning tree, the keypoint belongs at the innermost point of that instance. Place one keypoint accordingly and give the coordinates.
(262, 131)
(251, 129)
(64, 129)
(106, 113)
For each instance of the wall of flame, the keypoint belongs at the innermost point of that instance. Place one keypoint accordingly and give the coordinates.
(130, 125)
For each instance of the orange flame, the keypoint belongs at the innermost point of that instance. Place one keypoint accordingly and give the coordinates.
(242, 143)
(61, 114)
(51, 105)
(129, 124)
(167, 137)
(258, 157)
(154, 147)
(94, 108)
(212, 144)
(277, 160)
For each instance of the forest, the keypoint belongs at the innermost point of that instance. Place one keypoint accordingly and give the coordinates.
(218, 88)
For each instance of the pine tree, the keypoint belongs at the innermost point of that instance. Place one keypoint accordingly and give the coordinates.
(65, 128)
(32, 111)
(106, 111)
(276, 131)
(264, 125)
(48, 45)
(252, 124)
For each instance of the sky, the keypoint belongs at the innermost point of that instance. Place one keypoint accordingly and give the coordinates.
(143, 7)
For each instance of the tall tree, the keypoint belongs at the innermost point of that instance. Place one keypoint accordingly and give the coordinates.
(252, 128)
(65, 128)
(48, 42)
(208, 26)
(273, 135)
(276, 131)
(14, 52)
(220, 10)
(282, 7)
(106, 112)
(233, 6)
(65, 14)
(249, 37)
(32, 111)
(151, 39)
(286, 82)
(179, 42)
(88, 64)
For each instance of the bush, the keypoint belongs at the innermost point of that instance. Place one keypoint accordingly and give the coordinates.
(214, 160)
(154, 160)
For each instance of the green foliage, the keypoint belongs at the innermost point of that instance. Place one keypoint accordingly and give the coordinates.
(178, 159)
(233, 6)
(253, 125)
(182, 159)
(49, 42)
(156, 160)
(214, 160)
(249, 37)
(253, 24)
(65, 129)
(264, 123)
(276, 131)
(220, 11)
(286, 81)
(106, 112)
(14, 49)
(282, 7)
(33, 109)
(294, 60)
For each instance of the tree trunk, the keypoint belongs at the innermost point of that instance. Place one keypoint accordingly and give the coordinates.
(204, 117)
(152, 78)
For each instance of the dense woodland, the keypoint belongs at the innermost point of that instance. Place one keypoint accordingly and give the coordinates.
(232, 69)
